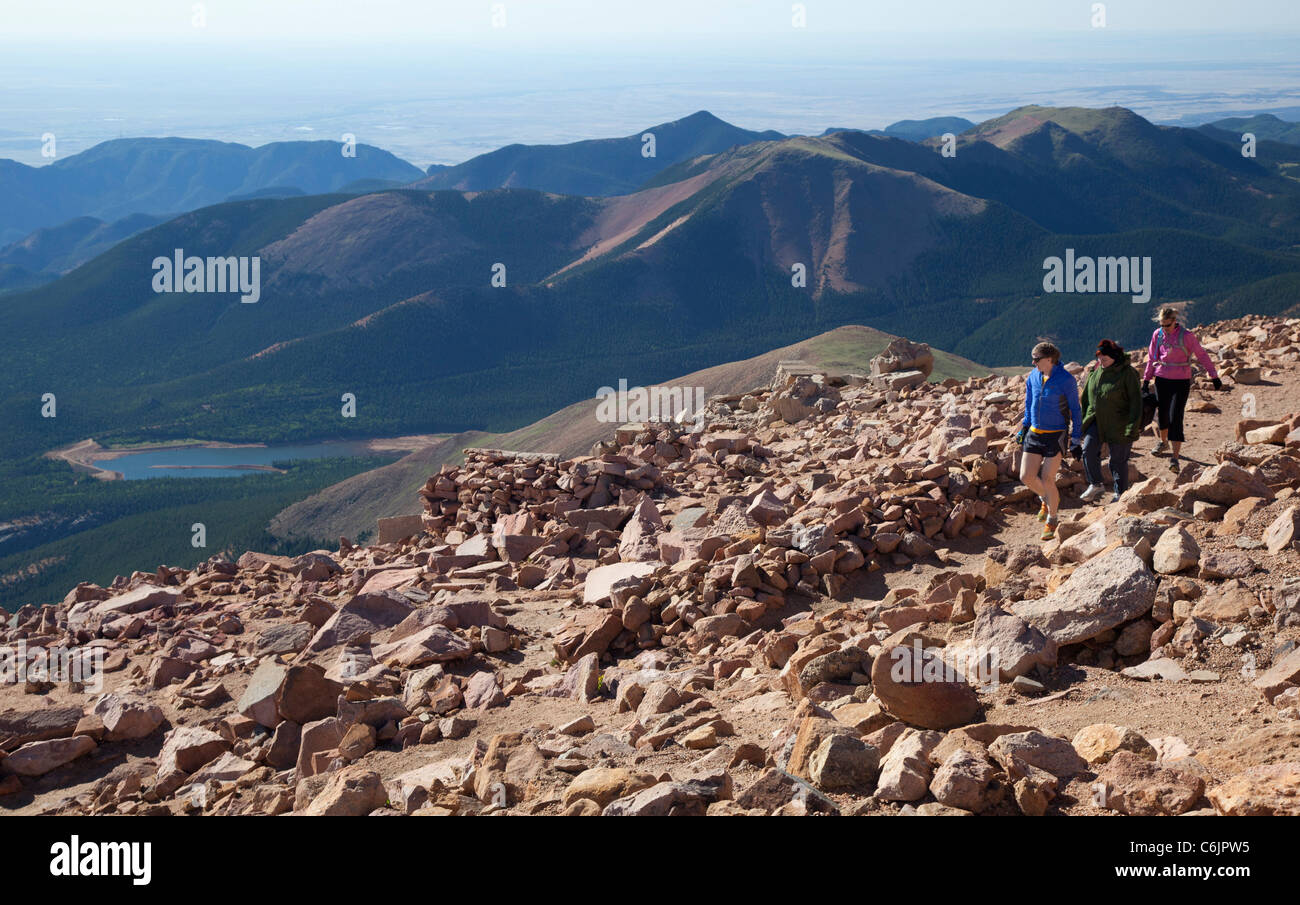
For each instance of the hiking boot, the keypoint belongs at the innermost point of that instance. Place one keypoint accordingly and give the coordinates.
(1093, 491)
(1160, 447)
(1042, 512)
(1049, 531)
(1115, 498)
(1174, 466)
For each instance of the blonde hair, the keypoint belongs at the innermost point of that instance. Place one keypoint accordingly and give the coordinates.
(1166, 313)
(1047, 350)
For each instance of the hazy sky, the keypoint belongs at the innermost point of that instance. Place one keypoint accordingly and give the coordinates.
(543, 21)
(435, 82)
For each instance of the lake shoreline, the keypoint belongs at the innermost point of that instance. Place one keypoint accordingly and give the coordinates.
(84, 455)
(237, 467)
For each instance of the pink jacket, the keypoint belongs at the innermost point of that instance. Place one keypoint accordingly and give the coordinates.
(1167, 360)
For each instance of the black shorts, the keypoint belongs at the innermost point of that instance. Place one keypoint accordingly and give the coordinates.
(1045, 445)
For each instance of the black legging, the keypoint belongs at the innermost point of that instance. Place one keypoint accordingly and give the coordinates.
(1171, 399)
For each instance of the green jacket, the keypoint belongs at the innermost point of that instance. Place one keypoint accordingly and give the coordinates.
(1113, 398)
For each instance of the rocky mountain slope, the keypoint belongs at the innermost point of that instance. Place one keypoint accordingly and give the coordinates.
(829, 599)
(352, 505)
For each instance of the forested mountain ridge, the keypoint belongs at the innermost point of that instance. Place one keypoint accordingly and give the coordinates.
(158, 176)
(447, 311)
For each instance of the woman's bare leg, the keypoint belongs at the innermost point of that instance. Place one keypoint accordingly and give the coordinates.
(1029, 466)
(1051, 493)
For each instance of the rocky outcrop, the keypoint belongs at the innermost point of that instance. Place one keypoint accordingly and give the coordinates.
(801, 603)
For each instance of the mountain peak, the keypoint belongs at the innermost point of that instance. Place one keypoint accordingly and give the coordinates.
(701, 116)
(596, 167)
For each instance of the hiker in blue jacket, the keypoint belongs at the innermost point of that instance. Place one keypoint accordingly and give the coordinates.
(1051, 405)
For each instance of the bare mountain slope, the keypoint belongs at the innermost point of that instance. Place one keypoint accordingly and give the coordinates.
(350, 508)
(847, 610)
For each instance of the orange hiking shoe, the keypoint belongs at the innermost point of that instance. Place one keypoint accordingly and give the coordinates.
(1042, 512)
(1049, 531)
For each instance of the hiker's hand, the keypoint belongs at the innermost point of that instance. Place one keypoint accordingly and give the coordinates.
(1076, 451)
(1020, 437)
(1218, 384)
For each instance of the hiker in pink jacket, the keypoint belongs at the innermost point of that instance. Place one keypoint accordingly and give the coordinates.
(1169, 361)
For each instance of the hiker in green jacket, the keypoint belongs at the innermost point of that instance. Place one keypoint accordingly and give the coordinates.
(1112, 414)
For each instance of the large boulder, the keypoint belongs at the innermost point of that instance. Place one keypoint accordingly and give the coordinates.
(186, 749)
(843, 763)
(1229, 602)
(587, 632)
(1101, 594)
(665, 799)
(258, 702)
(39, 758)
(1175, 551)
(22, 726)
(318, 743)
(903, 355)
(601, 580)
(398, 528)
(1283, 674)
(1013, 646)
(306, 695)
(353, 791)
(1228, 483)
(1270, 790)
(639, 542)
(776, 788)
(432, 644)
(137, 600)
(918, 687)
(604, 784)
(967, 780)
(1098, 743)
(362, 616)
(125, 717)
(1284, 531)
(390, 578)
(1133, 785)
(906, 771)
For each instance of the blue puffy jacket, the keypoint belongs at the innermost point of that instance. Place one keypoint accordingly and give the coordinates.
(1048, 400)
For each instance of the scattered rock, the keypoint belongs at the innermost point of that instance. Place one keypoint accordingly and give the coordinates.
(918, 687)
(1101, 594)
(1133, 785)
